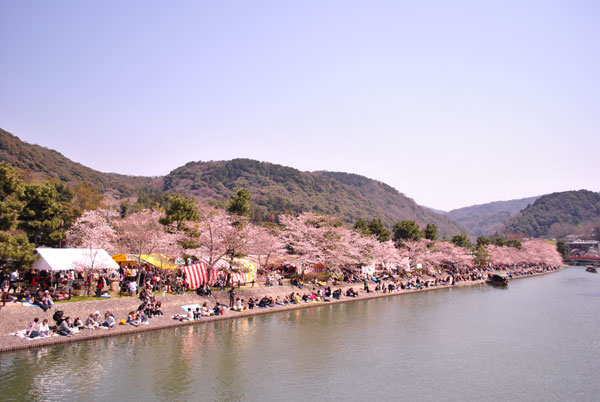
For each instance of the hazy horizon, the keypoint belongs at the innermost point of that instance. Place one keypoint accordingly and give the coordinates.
(453, 104)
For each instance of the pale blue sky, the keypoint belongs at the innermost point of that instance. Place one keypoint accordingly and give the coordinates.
(451, 102)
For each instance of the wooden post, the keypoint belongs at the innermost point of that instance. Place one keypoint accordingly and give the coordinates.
(70, 290)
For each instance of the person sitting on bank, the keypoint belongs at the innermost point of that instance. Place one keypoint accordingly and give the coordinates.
(45, 329)
(217, 309)
(205, 310)
(238, 305)
(47, 299)
(133, 319)
(109, 320)
(39, 301)
(33, 329)
(157, 310)
(78, 324)
(91, 323)
(64, 328)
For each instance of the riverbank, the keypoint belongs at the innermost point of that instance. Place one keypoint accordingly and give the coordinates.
(14, 317)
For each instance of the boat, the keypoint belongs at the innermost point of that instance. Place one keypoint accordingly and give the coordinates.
(591, 269)
(498, 280)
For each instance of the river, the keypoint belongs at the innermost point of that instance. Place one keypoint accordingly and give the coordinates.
(537, 340)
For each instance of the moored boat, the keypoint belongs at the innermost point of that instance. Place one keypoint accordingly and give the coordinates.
(498, 280)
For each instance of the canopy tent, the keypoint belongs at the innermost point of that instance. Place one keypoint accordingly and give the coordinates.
(197, 274)
(65, 259)
(158, 260)
(310, 268)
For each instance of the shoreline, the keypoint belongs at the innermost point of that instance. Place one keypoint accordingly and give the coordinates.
(229, 315)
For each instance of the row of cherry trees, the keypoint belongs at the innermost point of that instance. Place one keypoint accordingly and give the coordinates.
(215, 236)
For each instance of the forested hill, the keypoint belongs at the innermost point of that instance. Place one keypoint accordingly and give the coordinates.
(277, 188)
(486, 219)
(52, 164)
(568, 207)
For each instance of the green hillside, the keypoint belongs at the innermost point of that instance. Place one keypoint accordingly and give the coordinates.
(277, 188)
(50, 163)
(486, 219)
(568, 207)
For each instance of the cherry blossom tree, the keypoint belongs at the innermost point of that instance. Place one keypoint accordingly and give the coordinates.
(210, 237)
(141, 234)
(302, 234)
(93, 232)
(266, 244)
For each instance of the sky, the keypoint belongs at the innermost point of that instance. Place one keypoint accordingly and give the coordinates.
(452, 103)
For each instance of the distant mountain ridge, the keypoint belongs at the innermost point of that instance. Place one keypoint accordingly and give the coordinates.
(567, 207)
(486, 219)
(275, 188)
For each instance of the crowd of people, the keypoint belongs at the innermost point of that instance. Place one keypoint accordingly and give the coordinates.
(334, 288)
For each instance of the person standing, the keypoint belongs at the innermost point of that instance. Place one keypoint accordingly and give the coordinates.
(231, 296)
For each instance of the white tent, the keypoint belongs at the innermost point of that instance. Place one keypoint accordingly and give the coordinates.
(64, 259)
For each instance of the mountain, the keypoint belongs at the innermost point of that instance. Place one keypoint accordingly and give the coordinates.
(437, 211)
(486, 219)
(52, 164)
(569, 208)
(275, 188)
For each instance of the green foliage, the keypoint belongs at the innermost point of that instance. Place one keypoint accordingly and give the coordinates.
(150, 198)
(15, 251)
(568, 207)
(514, 243)
(240, 203)
(483, 241)
(41, 217)
(461, 240)
(180, 209)
(499, 241)
(377, 228)
(481, 257)
(562, 248)
(87, 197)
(12, 190)
(362, 227)
(407, 230)
(431, 232)
(41, 211)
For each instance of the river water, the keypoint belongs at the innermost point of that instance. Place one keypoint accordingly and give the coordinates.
(538, 340)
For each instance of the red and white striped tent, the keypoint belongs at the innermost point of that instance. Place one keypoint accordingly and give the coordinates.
(197, 274)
